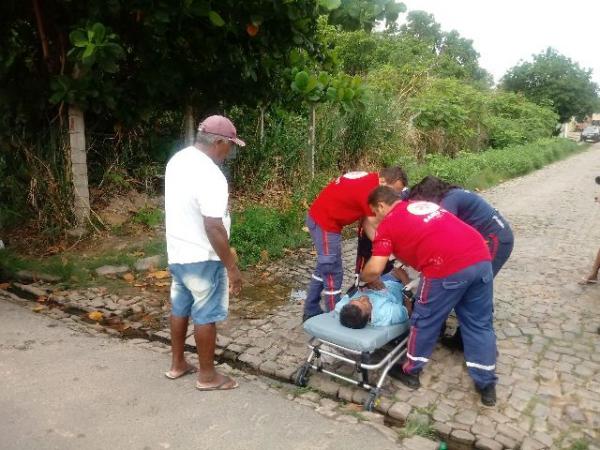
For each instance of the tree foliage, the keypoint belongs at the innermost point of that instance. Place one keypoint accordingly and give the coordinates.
(553, 79)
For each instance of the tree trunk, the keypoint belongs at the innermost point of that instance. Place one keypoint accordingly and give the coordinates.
(312, 139)
(190, 128)
(81, 204)
(261, 128)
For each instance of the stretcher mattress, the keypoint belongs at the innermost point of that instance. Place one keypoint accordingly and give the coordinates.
(328, 328)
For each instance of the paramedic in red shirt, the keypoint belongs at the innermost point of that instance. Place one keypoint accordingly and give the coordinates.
(456, 272)
(342, 202)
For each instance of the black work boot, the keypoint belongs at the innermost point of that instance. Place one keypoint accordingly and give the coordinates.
(453, 342)
(488, 395)
(409, 380)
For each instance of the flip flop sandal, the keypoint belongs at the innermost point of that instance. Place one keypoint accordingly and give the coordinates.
(219, 387)
(182, 374)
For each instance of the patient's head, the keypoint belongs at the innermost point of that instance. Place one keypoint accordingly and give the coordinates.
(356, 313)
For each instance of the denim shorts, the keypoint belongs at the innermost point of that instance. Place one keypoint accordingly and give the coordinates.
(200, 290)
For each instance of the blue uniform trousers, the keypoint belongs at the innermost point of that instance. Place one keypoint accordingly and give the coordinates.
(470, 293)
(500, 240)
(328, 274)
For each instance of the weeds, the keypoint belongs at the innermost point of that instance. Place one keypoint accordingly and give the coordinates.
(580, 444)
(416, 428)
(149, 217)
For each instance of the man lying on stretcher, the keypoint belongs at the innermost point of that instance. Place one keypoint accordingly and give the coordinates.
(382, 305)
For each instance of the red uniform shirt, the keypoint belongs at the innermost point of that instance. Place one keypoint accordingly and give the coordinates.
(430, 239)
(344, 201)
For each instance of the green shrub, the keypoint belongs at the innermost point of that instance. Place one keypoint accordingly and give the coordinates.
(150, 217)
(483, 169)
(260, 233)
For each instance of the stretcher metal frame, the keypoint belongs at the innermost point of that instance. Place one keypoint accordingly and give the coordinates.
(361, 362)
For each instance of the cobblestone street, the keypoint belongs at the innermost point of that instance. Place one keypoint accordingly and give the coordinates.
(546, 325)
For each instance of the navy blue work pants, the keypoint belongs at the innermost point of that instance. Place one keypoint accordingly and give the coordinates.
(328, 274)
(470, 293)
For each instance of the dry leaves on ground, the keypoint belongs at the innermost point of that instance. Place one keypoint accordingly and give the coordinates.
(95, 315)
(159, 274)
(128, 277)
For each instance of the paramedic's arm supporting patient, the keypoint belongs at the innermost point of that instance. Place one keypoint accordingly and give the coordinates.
(374, 268)
(401, 275)
(369, 226)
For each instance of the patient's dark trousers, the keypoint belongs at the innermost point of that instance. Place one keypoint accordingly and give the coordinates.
(328, 274)
(470, 293)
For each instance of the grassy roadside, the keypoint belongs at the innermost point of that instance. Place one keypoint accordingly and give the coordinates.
(265, 232)
(262, 233)
(74, 269)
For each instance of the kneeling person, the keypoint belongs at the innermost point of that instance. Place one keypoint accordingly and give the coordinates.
(382, 307)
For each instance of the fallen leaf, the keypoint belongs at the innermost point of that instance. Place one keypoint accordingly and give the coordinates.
(138, 254)
(140, 285)
(162, 283)
(41, 299)
(128, 277)
(160, 274)
(95, 315)
(4, 285)
(38, 308)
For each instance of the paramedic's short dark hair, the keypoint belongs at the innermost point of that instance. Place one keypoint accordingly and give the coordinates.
(351, 316)
(393, 174)
(383, 194)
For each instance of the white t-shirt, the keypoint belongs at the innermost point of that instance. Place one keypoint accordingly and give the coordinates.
(194, 187)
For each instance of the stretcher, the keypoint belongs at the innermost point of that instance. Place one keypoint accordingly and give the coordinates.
(367, 350)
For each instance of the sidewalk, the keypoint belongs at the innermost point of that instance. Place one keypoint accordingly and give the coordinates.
(67, 390)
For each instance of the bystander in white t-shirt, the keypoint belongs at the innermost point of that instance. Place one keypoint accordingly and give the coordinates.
(194, 187)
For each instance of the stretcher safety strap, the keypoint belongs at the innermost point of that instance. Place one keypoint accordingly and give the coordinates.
(480, 366)
(417, 358)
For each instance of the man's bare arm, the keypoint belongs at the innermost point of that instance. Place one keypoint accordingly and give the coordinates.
(369, 226)
(217, 236)
(374, 268)
(401, 274)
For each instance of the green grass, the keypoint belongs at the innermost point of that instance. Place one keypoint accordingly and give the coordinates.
(412, 428)
(580, 444)
(490, 167)
(150, 217)
(260, 233)
(75, 270)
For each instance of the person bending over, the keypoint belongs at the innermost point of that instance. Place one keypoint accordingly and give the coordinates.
(383, 307)
(475, 211)
(342, 202)
(456, 273)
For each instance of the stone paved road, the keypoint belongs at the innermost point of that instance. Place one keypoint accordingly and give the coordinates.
(549, 362)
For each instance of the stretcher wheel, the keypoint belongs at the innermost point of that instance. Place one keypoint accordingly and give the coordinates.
(302, 375)
(371, 401)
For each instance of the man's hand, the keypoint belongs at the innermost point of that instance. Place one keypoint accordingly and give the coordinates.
(217, 235)
(235, 280)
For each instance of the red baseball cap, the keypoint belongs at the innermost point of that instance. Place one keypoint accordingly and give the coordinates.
(220, 126)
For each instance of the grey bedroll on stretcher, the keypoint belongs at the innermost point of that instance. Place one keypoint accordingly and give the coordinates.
(356, 348)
